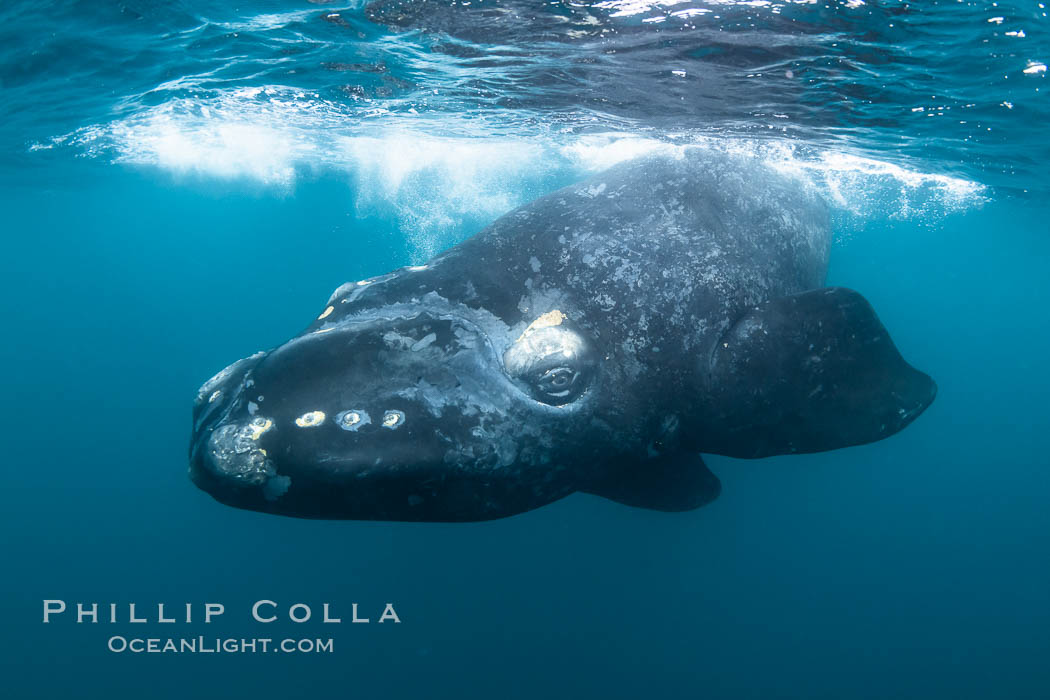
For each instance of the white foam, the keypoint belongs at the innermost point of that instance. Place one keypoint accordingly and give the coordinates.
(442, 177)
(596, 152)
(864, 186)
(221, 149)
(262, 134)
(433, 183)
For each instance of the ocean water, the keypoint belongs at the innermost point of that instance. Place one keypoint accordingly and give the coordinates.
(184, 183)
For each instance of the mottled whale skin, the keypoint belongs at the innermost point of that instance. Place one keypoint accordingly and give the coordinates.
(598, 339)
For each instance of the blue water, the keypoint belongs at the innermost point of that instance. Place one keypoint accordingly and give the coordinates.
(185, 183)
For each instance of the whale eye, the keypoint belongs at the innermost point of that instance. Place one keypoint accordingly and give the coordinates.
(557, 379)
(557, 382)
(554, 363)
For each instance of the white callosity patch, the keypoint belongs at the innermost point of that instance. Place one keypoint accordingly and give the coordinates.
(393, 419)
(547, 320)
(259, 426)
(233, 452)
(310, 419)
(353, 419)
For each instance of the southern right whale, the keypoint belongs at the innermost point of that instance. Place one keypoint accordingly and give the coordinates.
(598, 339)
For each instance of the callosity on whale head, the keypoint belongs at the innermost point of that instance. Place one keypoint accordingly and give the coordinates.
(597, 339)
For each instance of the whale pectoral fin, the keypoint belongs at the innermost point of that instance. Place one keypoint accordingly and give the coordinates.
(668, 483)
(810, 372)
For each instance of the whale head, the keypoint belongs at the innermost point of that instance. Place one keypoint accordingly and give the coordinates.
(430, 414)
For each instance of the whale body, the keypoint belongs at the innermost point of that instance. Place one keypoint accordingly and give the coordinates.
(598, 339)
